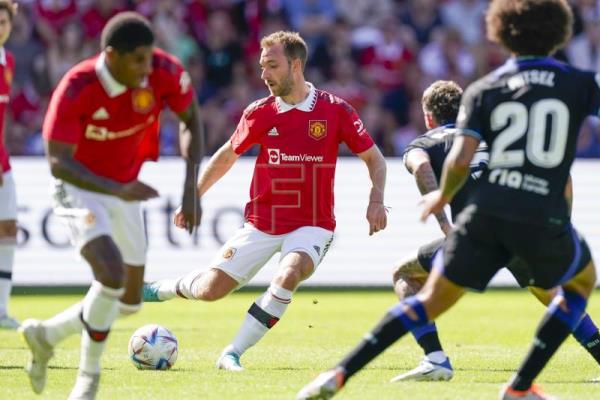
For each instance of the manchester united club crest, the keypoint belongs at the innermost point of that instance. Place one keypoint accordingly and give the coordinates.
(8, 76)
(90, 219)
(317, 129)
(143, 100)
(227, 254)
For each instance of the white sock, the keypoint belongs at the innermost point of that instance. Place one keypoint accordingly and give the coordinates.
(100, 309)
(274, 302)
(64, 324)
(437, 357)
(185, 287)
(7, 257)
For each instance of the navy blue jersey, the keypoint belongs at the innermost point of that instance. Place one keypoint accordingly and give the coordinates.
(529, 111)
(437, 143)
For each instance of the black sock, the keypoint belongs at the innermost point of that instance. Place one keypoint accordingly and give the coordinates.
(389, 329)
(592, 345)
(430, 342)
(551, 333)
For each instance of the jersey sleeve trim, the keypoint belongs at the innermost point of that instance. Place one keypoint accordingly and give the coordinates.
(469, 132)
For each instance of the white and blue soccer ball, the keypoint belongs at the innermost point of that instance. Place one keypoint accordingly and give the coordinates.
(153, 347)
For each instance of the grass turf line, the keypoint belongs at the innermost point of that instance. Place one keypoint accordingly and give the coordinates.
(485, 336)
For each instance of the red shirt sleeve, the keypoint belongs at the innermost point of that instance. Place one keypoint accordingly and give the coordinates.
(353, 131)
(178, 90)
(62, 121)
(248, 131)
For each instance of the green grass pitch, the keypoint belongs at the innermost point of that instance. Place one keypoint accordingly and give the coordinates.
(485, 335)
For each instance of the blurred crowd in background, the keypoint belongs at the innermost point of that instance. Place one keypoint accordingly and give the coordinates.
(378, 55)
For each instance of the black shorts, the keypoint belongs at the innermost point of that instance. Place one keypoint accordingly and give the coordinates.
(480, 244)
(517, 267)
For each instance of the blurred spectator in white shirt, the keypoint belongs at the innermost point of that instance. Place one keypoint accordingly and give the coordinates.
(467, 16)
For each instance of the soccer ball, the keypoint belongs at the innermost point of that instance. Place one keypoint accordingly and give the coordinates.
(153, 347)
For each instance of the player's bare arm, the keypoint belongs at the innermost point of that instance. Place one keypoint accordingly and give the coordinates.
(64, 166)
(376, 214)
(419, 164)
(1, 176)
(217, 167)
(191, 142)
(454, 175)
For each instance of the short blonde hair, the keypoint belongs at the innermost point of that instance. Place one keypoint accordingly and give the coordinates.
(293, 45)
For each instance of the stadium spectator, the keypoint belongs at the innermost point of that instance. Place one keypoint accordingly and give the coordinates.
(364, 12)
(466, 16)
(423, 17)
(446, 57)
(221, 52)
(350, 29)
(24, 46)
(67, 51)
(584, 50)
(52, 15)
(312, 18)
(95, 17)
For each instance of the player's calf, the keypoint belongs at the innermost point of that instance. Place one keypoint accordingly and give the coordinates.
(261, 317)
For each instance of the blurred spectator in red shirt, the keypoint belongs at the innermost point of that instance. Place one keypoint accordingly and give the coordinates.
(94, 19)
(52, 16)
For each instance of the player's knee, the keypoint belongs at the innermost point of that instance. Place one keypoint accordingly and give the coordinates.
(126, 310)
(568, 307)
(289, 277)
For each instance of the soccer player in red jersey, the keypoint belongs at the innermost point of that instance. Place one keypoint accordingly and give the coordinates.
(101, 125)
(8, 197)
(299, 129)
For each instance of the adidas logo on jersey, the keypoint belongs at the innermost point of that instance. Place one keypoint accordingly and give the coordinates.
(273, 132)
(100, 114)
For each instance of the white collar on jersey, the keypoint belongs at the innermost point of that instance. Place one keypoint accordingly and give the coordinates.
(306, 105)
(2, 56)
(112, 87)
(110, 84)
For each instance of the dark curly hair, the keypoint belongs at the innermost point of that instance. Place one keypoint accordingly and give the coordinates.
(127, 31)
(529, 27)
(442, 100)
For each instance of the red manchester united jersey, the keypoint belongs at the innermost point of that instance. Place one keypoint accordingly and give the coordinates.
(7, 67)
(114, 127)
(294, 173)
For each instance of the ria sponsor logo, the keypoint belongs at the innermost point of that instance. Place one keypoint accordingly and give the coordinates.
(277, 157)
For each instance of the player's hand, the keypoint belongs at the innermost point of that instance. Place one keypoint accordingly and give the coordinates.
(136, 191)
(190, 210)
(432, 203)
(377, 217)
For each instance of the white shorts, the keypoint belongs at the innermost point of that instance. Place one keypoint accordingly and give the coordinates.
(242, 256)
(8, 198)
(91, 214)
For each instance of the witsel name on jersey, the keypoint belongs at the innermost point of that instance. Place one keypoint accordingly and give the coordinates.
(533, 76)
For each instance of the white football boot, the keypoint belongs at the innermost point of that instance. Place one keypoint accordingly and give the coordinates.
(33, 334)
(86, 386)
(229, 361)
(427, 370)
